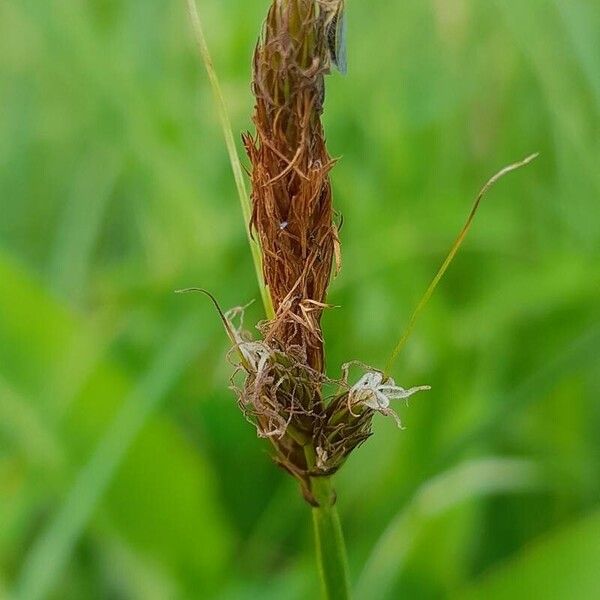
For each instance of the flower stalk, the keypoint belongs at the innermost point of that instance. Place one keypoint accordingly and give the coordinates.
(329, 542)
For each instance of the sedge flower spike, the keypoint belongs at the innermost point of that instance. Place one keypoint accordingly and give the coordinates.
(291, 220)
(280, 379)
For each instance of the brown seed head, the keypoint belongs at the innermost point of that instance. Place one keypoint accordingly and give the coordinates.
(291, 192)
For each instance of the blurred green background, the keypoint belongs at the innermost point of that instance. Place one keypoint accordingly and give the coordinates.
(126, 469)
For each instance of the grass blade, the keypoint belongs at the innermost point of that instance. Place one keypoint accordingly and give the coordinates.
(52, 549)
(448, 261)
(467, 481)
(234, 158)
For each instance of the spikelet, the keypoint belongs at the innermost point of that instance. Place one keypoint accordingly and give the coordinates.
(291, 192)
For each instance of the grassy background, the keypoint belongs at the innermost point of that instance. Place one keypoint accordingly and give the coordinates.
(126, 470)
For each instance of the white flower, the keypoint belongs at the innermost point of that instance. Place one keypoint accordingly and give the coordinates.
(375, 391)
(256, 354)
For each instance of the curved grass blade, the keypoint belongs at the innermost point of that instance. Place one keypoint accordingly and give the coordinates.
(448, 261)
(231, 334)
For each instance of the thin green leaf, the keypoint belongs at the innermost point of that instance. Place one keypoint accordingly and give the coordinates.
(467, 481)
(52, 549)
(234, 158)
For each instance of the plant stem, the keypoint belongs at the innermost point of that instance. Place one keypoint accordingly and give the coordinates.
(329, 539)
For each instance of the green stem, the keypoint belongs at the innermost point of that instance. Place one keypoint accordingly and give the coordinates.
(329, 541)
